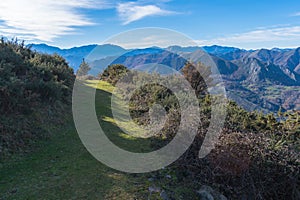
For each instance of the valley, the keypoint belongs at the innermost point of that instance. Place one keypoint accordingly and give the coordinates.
(264, 80)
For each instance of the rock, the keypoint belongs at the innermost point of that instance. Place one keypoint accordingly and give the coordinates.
(151, 179)
(164, 195)
(168, 176)
(154, 189)
(207, 193)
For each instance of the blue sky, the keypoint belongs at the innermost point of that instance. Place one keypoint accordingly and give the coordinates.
(239, 23)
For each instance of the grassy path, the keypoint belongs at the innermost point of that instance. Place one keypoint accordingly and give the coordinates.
(61, 168)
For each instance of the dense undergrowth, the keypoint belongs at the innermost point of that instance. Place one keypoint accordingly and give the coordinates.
(256, 157)
(35, 94)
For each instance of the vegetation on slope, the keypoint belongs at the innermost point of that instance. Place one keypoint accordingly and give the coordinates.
(35, 90)
(257, 156)
(61, 167)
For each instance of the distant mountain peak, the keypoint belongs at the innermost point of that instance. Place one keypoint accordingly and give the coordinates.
(241, 69)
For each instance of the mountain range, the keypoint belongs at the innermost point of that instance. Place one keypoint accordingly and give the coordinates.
(263, 79)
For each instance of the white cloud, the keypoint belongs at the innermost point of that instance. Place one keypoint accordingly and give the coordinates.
(149, 37)
(132, 11)
(43, 19)
(296, 14)
(267, 36)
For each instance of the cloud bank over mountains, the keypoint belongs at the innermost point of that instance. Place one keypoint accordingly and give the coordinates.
(45, 20)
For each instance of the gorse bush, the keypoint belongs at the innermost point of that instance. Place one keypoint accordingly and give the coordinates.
(28, 77)
(113, 73)
(256, 157)
(30, 84)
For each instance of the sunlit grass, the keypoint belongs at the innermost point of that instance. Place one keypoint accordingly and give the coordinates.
(101, 85)
(61, 167)
(128, 126)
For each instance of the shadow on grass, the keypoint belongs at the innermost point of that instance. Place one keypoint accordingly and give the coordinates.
(61, 167)
(113, 132)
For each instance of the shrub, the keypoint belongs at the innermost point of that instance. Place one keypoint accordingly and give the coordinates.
(256, 157)
(32, 87)
(113, 73)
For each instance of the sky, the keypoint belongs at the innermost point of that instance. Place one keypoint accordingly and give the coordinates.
(239, 23)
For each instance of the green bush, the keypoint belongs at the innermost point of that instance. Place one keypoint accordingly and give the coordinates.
(113, 73)
(30, 84)
(256, 157)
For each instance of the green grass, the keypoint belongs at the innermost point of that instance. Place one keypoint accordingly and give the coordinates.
(61, 168)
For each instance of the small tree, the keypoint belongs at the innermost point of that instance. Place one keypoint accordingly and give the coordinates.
(84, 68)
(113, 73)
(198, 75)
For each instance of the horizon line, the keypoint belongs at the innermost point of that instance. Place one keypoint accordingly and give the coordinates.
(201, 46)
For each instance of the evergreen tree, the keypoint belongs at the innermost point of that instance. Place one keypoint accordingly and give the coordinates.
(84, 68)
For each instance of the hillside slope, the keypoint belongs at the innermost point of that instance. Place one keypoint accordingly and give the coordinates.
(261, 73)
